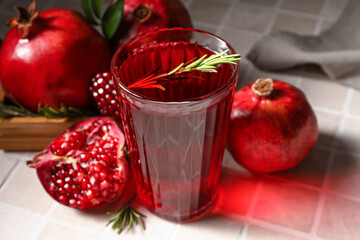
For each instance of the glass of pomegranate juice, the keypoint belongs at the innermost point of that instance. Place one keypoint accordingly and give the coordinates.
(176, 98)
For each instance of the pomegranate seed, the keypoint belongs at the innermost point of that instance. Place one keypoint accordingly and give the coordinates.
(105, 184)
(62, 198)
(105, 193)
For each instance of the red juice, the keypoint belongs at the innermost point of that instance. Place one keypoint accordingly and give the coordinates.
(176, 137)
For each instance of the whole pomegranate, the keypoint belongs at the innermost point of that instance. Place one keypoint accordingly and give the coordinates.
(49, 57)
(141, 16)
(85, 167)
(272, 126)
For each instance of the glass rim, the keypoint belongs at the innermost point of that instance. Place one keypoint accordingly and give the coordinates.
(194, 100)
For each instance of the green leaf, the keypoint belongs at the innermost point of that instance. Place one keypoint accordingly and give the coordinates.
(111, 19)
(87, 8)
(96, 7)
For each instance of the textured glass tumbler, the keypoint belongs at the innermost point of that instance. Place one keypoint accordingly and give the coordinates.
(177, 136)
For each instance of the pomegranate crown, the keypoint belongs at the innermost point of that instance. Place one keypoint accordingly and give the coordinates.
(263, 86)
(24, 21)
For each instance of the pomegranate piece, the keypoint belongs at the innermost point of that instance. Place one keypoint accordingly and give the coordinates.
(104, 94)
(85, 167)
(272, 127)
(141, 16)
(49, 57)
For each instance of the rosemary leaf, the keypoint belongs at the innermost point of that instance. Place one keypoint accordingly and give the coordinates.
(126, 218)
(204, 64)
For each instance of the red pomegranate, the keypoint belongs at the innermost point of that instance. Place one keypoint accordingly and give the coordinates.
(50, 57)
(85, 167)
(272, 127)
(145, 15)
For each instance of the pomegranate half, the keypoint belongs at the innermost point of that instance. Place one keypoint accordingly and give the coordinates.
(85, 167)
(272, 126)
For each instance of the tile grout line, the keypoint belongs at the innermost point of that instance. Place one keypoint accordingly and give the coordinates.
(37, 214)
(322, 197)
(344, 110)
(314, 188)
(76, 227)
(243, 31)
(9, 176)
(230, 28)
(45, 217)
(348, 100)
(267, 225)
(250, 212)
(336, 112)
(271, 23)
(303, 14)
(41, 226)
(339, 151)
(225, 18)
(320, 18)
(286, 11)
(51, 209)
(292, 182)
(209, 25)
(279, 228)
(48, 219)
(327, 110)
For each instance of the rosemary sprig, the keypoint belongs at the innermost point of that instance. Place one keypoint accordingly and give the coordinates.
(204, 64)
(10, 110)
(15, 109)
(126, 218)
(64, 111)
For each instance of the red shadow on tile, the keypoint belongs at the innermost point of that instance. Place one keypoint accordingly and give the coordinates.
(235, 192)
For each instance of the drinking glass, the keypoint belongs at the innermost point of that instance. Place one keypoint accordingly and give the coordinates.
(176, 137)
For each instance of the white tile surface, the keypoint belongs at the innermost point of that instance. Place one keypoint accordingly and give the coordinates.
(302, 203)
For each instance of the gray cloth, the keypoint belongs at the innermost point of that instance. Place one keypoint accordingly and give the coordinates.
(336, 51)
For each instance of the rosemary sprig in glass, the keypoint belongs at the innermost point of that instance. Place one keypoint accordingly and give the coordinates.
(204, 64)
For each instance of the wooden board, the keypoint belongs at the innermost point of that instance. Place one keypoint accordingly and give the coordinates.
(31, 133)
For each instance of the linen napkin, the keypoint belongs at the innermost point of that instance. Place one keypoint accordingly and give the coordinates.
(336, 51)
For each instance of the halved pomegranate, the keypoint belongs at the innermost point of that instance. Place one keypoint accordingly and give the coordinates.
(85, 167)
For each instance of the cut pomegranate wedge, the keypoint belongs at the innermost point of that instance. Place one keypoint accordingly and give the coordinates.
(85, 167)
